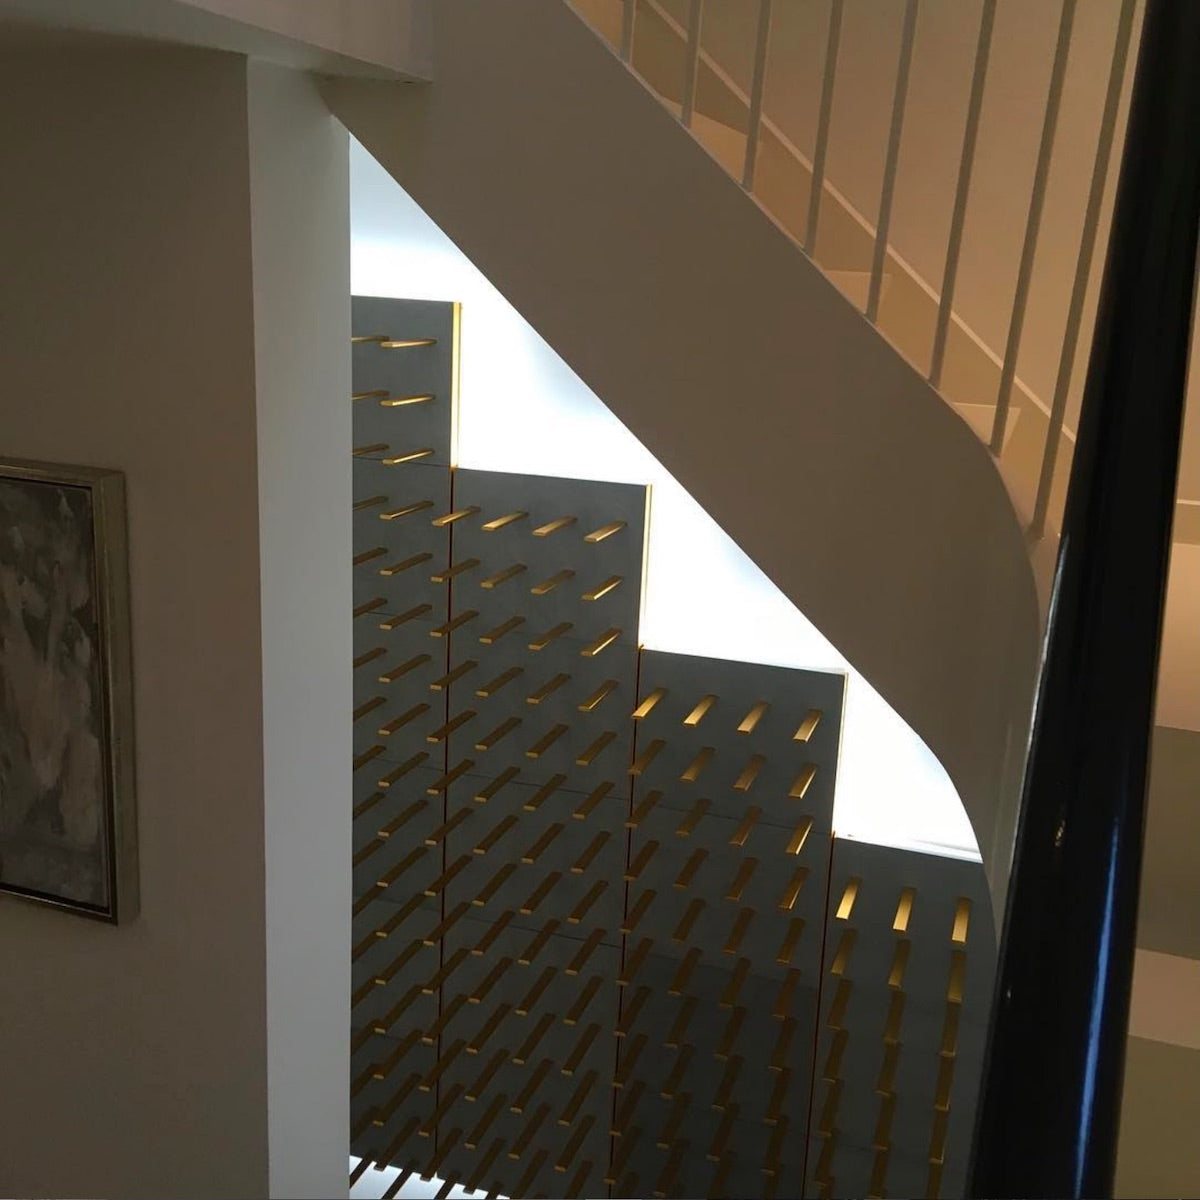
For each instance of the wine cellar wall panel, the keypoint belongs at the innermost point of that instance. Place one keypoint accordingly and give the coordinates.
(597, 886)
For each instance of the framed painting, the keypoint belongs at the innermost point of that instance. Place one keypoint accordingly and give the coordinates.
(68, 820)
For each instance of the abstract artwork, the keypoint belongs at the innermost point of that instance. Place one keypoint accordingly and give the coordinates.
(67, 818)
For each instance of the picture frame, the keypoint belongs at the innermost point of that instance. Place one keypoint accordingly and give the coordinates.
(68, 817)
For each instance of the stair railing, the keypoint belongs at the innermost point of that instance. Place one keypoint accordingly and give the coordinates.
(1048, 1115)
(1043, 466)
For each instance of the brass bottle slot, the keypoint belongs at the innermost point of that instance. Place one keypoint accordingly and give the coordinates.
(750, 721)
(727, 1083)
(456, 623)
(480, 994)
(448, 827)
(580, 910)
(734, 986)
(448, 876)
(494, 581)
(962, 918)
(548, 585)
(550, 635)
(631, 922)
(582, 1001)
(829, 1110)
(899, 963)
(405, 401)
(418, 660)
(743, 830)
(590, 755)
(800, 836)
(644, 809)
(572, 1147)
(779, 1093)
(485, 1122)
(749, 774)
(623, 1155)
(605, 689)
(442, 683)
(787, 993)
(503, 522)
(945, 1083)
(886, 1082)
(630, 1014)
(446, 970)
(449, 1096)
(500, 732)
(688, 825)
(406, 510)
(395, 622)
(547, 689)
(639, 864)
(535, 947)
(403, 769)
(367, 395)
(494, 635)
(602, 589)
(525, 1183)
(546, 741)
(678, 1073)
(690, 868)
(453, 572)
(958, 973)
(684, 972)
(594, 797)
(405, 564)
(488, 1028)
(697, 765)
(845, 907)
(449, 1011)
(405, 343)
(539, 894)
(368, 555)
(585, 952)
(635, 962)
(544, 793)
(541, 845)
(444, 926)
(480, 949)
(495, 834)
(808, 726)
(605, 640)
(373, 448)
(397, 460)
(937, 1141)
(700, 711)
(455, 515)
(738, 932)
(436, 789)
(575, 1058)
(682, 1019)
(833, 1061)
(647, 756)
(783, 1044)
(487, 792)
(628, 1060)
(576, 1102)
(366, 805)
(554, 526)
(730, 1034)
(605, 531)
(490, 688)
(535, 993)
(484, 1165)
(771, 1165)
(588, 856)
(369, 502)
(684, 929)
(904, 910)
(670, 1133)
(841, 959)
(369, 606)
(790, 941)
(399, 963)
(368, 706)
(949, 1047)
(895, 1018)
(804, 780)
(444, 731)
(792, 892)
(497, 881)
(648, 705)
(720, 1141)
(666, 1181)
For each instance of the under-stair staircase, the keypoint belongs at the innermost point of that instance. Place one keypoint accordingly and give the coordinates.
(606, 938)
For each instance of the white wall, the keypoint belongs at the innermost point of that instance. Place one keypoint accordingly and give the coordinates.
(137, 1059)
(300, 201)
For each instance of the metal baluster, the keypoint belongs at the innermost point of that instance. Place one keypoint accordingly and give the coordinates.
(757, 87)
(987, 19)
(908, 35)
(1041, 173)
(692, 69)
(1087, 246)
(821, 148)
